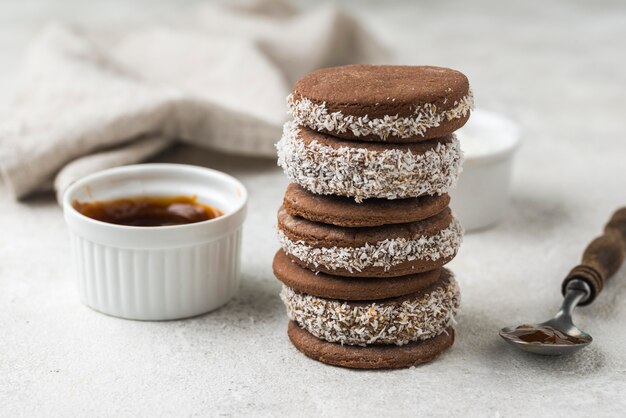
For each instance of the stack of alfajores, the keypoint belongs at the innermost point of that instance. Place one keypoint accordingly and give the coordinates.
(365, 226)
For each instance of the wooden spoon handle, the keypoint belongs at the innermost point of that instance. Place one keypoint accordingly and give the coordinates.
(602, 257)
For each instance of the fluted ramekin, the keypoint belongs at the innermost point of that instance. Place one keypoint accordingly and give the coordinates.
(489, 142)
(157, 273)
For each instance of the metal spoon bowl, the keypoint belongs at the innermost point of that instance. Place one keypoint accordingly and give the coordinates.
(577, 291)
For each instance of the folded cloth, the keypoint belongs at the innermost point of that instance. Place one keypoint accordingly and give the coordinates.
(87, 102)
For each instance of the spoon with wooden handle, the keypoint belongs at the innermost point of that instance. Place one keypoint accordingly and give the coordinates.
(601, 259)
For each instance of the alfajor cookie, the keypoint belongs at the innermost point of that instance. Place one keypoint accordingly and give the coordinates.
(371, 357)
(416, 317)
(382, 103)
(344, 211)
(382, 251)
(323, 164)
(323, 285)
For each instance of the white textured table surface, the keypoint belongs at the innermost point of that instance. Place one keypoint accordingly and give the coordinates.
(557, 68)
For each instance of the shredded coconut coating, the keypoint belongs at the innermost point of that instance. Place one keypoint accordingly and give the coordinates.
(418, 319)
(363, 173)
(316, 116)
(386, 254)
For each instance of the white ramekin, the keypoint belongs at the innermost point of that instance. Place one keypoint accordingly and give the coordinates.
(489, 142)
(157, 273)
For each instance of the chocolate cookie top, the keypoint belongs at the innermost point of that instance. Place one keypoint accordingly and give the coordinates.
(344, 211)
(322, 235)
(394, 103)
(372, 357)
(354, 289)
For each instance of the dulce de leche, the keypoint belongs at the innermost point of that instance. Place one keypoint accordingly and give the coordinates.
(147, 211)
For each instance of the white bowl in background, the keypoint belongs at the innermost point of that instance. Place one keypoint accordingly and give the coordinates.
(489, 142)
(157, 273)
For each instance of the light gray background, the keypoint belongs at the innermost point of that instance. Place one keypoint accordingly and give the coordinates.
(555, 67)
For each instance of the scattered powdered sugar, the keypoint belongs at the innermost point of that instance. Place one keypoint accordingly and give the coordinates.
(362, 173)
(427, 116)
(386, 254)
(418, 319)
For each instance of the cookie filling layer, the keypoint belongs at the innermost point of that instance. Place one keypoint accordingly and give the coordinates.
(386, 254)
(317, 117)
(418, 318)
(361, 173)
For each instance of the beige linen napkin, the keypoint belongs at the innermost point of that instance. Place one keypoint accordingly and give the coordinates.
(87, 101)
